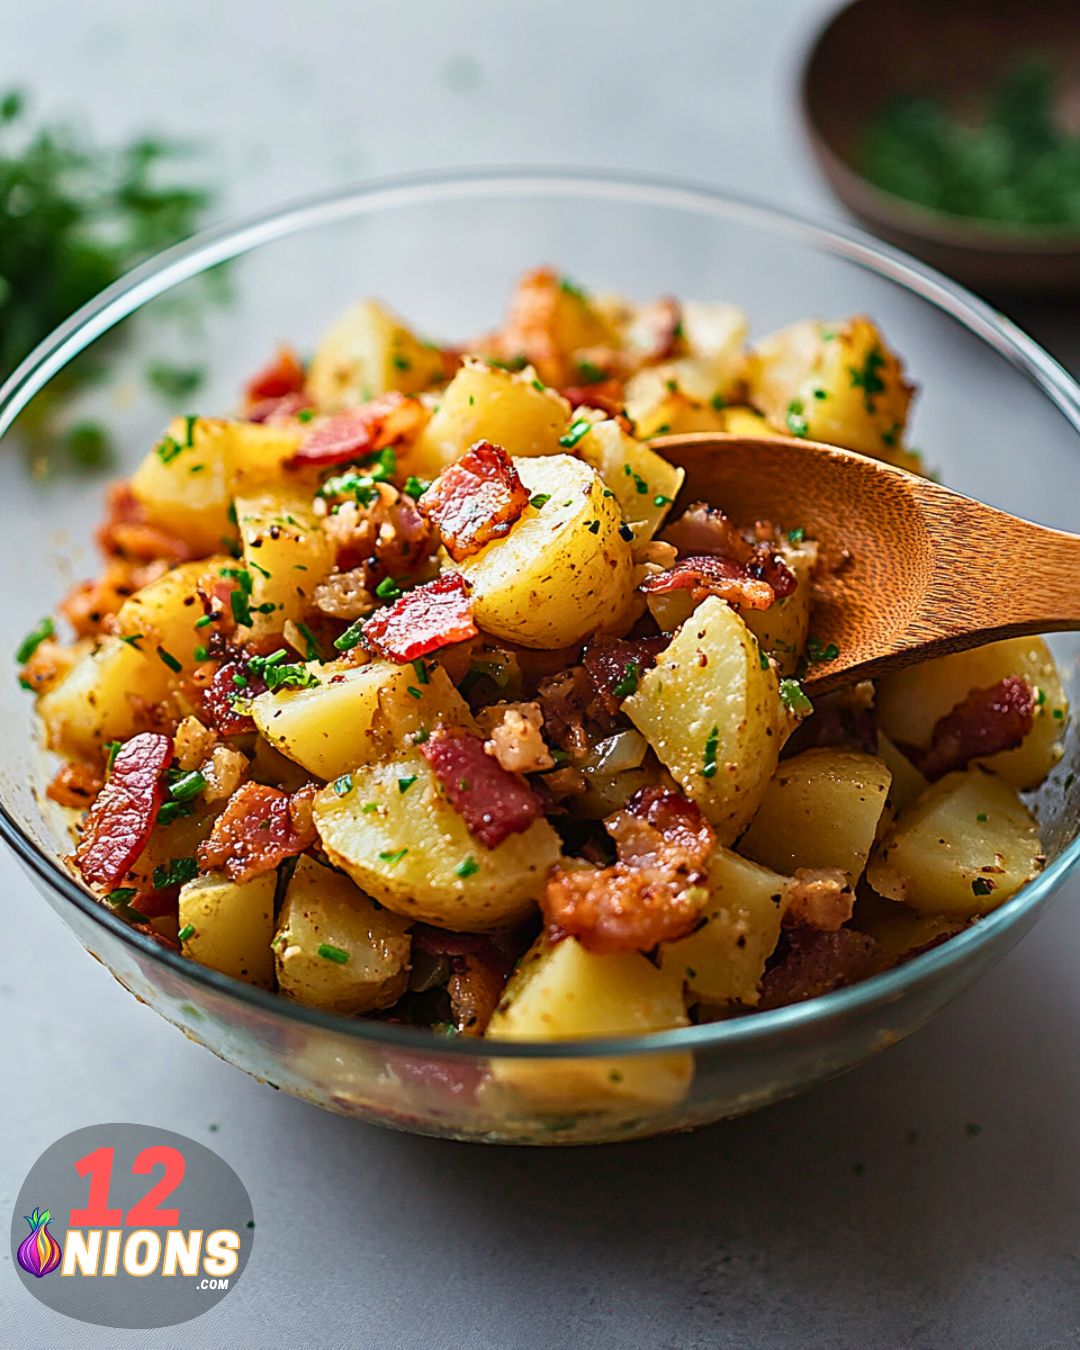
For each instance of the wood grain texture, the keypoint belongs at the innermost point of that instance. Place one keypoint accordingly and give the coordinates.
(929, 571)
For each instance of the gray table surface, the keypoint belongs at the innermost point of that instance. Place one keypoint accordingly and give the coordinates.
(931, 1199)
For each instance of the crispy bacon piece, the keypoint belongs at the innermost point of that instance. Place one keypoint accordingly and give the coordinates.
(706, 529)
(709, 575)
(127, 533)
(610, 662)
(606, 395)
(276, 410)
(814, 963)
(423, 620)
(476, 500)
(219, 698)
(492, 802)
(153, 904)
(531, 326)
(574, 712)
(259, 828)
(653, 893)
(360, 431)
(88, 604)
(282, 376)
(987, 721)
(122, 817)
(75, 784)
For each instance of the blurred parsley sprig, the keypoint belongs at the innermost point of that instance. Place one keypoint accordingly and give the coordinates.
(74, 217)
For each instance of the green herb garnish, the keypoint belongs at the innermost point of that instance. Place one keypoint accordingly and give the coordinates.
(330, 953)
(578, 428)
(33, 640)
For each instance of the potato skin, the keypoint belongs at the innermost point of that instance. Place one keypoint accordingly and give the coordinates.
(709, 688)
(485, 403)
(963, 848)
(910, 702)
(561, 992)
(564, 570)
(323, 908)
(233, 923)
(821, 810)
(426, 882)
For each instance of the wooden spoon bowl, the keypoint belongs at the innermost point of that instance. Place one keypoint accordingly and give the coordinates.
(923, 570)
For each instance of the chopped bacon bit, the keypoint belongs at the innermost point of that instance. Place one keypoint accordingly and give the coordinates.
(771, 568)
(127, 533)
(984, 723)
(653, 893)
(706, 529)
(258, 829)
(609, 662)
(820, 898)
(154, 904)
(813, 963)
(280, 377)
(232, 685)
(89, 604)
(574, 713)
(606, 396)
(492, 802)
(707, 575)
(277, 410)
(47, 666)
(531, 325)
(476, 500)
(75, 785)
(423, 620)
(360, 431)
(120, 821)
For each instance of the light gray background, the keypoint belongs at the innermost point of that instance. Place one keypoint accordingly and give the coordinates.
(928, 1200)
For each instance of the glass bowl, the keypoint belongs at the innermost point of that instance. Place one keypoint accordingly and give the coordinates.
(996, 414)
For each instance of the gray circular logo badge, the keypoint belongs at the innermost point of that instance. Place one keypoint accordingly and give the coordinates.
(131, 1226)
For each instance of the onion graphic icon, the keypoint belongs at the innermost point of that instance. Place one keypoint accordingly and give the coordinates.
(39, 1252)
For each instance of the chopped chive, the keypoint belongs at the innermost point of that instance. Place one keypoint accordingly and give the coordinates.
(388, 589)
(33, 640)
(190, 785)
(186, 932)
(712, 742)
(539, 499)
(413, 692)
(330, 953)
(467, 868)
(312, 652)
(305, 414)
(204, 621)
(793, 698)
(392, 857)
(343, 786)
(175, 873)
(816, 650)
(578, 428)
(170, 660)
(661, 500)
(982, 817)
(415, 487)
(593, 527)
(133, 640)
(369, 807)
(121, 895)
(404, 784)
(625, 532)
(112, 749)
(797, 535)
(351, 636)
(628, 682)
(422, 676)
(202, 653)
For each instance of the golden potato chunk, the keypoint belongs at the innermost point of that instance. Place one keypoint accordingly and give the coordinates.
(231, 925)
(370, 351)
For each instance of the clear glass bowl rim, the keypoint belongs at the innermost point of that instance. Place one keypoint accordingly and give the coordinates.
(232, 239)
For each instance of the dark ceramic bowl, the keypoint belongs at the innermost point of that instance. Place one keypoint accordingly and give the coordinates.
(953, 50)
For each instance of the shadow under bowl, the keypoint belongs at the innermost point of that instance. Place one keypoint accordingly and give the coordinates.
(444, 250)
(876, 50)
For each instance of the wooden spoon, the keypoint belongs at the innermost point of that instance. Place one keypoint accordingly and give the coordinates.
(929, 571)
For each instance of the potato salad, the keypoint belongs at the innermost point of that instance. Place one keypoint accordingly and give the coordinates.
(424, 689)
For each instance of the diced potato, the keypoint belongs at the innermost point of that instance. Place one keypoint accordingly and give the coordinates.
(899, 929)
(95, 701)
(486, 403)
(335, 948)
(550, 323)
(338, 724)
(183, 483)
(658, 405)
(781, 630)
(369, 351)
(746, 422)
(711, 711)
(965, 846)
(563, 992)
(285, 552)
(187, 481)
(907, 781)
(837, 383)
(911, 702)
(821, 810)
(563, 570)
(233, 925)
(723, 960)
(164, 613)
(643, 482)
(410, 849)
(716, 333)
